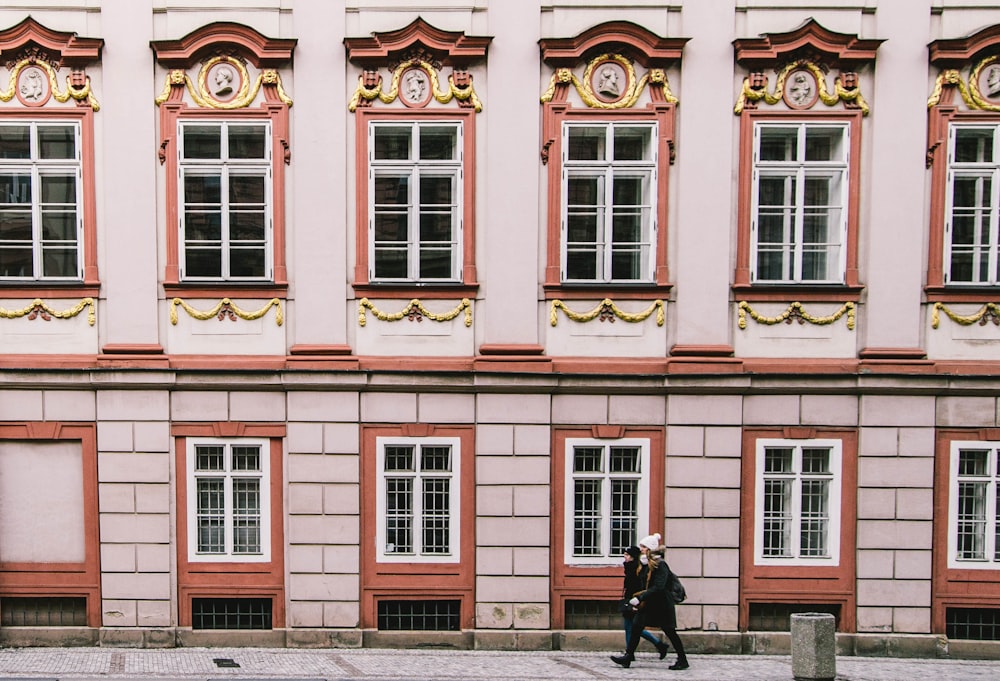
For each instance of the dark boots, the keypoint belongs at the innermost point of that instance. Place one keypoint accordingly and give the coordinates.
(681, 663)
(662, 648)
(624, 660)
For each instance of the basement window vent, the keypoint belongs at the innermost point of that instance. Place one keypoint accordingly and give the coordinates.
(231, 613)
(43, 611)
(592, 615)
(976, 624)
(419, 615)
(778, 616)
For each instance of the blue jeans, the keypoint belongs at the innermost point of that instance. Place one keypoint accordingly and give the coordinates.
(646, 634)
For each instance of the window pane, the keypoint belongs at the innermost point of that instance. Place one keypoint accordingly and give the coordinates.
(436, 516)
(59, 262)
(778, 460)
(815, 460)
(586, 144)
(436, 190)
(973, 145)
(246, 226)
(825, 144)
(438, 143)
(392, 190)
(624, 460)
(203, 262)
(391, 263)
(15, 225)
(58, 225)
(435, 263)
(15, 188)
(398, 515)
(210, 458)
(58, 188)
(435, 459)
(247, 142)
(246, 189)
(778, 144)
(246, 515)
(202, 141)
(815, 518)
(633, 144)
(57, 142)
(588, 459)
(399, 458)
(246, 458)
(392, 143)
(973, 462)
(583, 264)
(586, 518)
(624, 515)
(211, 515)
(15, 262)
(435, 227)
(203, 189)
(202, 226)
(247, 262)
(971, 531)
(777, 518)
(15, 141)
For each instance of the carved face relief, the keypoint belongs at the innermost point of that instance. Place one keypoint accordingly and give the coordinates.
(32, 86)
(414, 87)
(800, 89)
(224, 81)
(989, 81)
(609, 81)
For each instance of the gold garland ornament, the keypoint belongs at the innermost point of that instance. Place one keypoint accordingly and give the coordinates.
(839, 94)
(970, 92)
(81, 93)
(607, 310)
(990, 312)
(462, 94)
(37, 308)
(227, 309)
(244, 96)
(654, 77)
(415, 311)
(795, 311)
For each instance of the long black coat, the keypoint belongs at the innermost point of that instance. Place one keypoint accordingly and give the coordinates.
(657, 606)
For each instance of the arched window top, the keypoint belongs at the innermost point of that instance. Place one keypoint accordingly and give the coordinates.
(259, 50)
(450, 48)
(843, 50)
(635, 41)
(59, 47)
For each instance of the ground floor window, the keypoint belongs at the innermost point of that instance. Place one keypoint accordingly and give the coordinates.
(977, 624)
(778, 616)
(231, 613)
(43, 611)
(423, 615)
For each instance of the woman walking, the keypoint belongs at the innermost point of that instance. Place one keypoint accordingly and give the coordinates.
(655, 606)
(635, 581)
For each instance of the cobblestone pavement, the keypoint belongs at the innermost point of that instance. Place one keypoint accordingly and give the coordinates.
(185, 664)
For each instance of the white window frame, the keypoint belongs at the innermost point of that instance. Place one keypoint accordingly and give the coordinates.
(988, 206)
(264, 475)
(224, 166)
(608, 169)
(413, 168)
(642, 501)
(800, 167)
(454, 500)
(37, 168)
(834, 500)
(992, 481)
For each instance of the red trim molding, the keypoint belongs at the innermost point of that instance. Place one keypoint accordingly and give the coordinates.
(62, 579)
(451, 48)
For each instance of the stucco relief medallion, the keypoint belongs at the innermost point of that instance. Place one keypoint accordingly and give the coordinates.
(223, 81)
(609, 81)
(415, 87)
(33, 88)
(989, 82)
(801, 89)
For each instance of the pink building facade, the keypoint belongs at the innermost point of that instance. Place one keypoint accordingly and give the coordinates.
(360, 323)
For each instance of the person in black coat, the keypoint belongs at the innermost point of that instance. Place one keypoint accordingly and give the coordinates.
(635, 581)
(654, 605)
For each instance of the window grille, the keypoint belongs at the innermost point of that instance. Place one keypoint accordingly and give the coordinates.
(976, 624)
(974, 532)
(231, 613)
(43, 611)
(581, 614)
(425, 615)
(778, 616)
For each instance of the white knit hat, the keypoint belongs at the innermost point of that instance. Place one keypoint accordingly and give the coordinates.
(652, 542)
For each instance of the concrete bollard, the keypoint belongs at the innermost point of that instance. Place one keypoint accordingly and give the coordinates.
(814, 646)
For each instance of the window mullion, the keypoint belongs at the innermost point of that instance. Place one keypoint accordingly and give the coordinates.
(796, 515)
(413, 224)
(605, 521)
(608, 227)
(36, 216)
(991, 509)
(224, 218)
(994, 227)
(799, 222)
(228, 506)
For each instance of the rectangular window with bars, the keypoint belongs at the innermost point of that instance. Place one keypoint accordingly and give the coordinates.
(798, 502)
(607, 498)
(974, 514)
(972, 206)
(229, 508)
(418, 499)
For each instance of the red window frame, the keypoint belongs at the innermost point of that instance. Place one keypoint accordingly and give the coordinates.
(179, 57)
(655, 54)
(573, 582)
(62, 579)
(395, 50)
(417, 580)
(73, 52)
(773, 51)
(958, 60)
(200, 579)
(798, 583)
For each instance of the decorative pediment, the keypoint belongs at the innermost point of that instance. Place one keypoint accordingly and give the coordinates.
(970, 65)
(801, 60)
(415, 56)
(224, 51)
(608, 54)
(34, 55)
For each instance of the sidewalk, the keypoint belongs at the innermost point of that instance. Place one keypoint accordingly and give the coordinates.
(337, 664)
